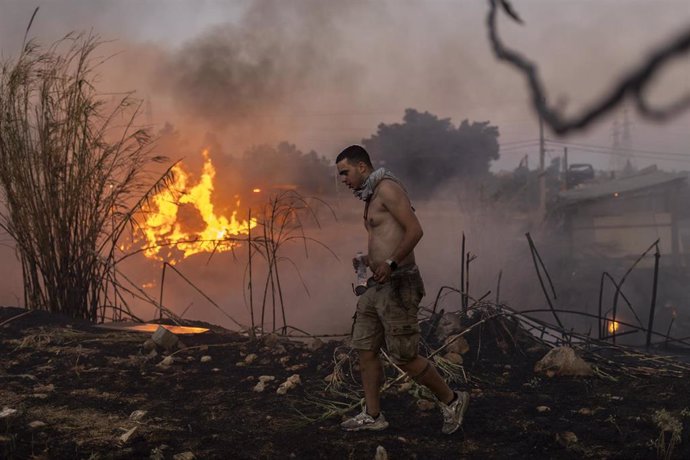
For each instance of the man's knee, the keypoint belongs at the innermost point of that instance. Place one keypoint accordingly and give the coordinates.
(417, 368)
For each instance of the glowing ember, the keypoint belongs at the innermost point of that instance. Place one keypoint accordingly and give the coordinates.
(613, 326)
(166, 231)
(146, 327)
(257, 190)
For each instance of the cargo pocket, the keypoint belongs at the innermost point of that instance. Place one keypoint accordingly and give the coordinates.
(411, 293)
(403, 341)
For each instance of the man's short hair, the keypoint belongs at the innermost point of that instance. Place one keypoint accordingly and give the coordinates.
(354, 154)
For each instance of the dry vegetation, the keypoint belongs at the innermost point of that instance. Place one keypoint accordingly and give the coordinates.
(72, 174)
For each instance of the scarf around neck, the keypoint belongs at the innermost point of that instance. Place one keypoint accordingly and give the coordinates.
(365, 192)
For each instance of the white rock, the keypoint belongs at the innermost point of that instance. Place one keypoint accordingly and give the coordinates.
(184, 456)
(164, 338)
(36, 424)
(259, 387)
(167, 361)
(205, 358)
(266, 378)
(250, 358)
(381, 453)
(289, 384)
(563, 361)
(7, 412)
(137, 415)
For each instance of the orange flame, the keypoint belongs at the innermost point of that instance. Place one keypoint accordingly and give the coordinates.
(613, 326)
(164, 230)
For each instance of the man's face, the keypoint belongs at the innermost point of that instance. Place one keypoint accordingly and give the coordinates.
(351, 174)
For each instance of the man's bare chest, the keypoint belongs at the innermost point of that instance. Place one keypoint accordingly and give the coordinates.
(375, 214)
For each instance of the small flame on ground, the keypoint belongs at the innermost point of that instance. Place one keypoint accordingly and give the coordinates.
(257, 190)
(164, 232)
(613, 326)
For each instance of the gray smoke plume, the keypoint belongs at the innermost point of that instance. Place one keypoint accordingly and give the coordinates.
(236, 70)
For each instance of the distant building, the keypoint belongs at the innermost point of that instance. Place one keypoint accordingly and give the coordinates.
(620, 218)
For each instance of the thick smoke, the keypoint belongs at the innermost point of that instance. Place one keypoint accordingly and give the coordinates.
(235, 72)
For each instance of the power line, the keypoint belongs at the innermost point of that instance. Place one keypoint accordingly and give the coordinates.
(652, 152)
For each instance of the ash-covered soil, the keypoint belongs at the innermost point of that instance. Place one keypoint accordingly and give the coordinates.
(72, 390)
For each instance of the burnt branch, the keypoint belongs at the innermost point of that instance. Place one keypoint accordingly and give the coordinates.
(632, 85)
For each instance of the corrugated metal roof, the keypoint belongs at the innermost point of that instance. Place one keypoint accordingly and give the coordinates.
(608, 189)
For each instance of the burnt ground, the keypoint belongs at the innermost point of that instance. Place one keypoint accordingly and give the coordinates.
(83, 383)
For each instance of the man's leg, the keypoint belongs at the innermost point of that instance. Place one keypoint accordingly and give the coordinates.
(424, 373)
(372, 373)
(453, 404)
(372, 377)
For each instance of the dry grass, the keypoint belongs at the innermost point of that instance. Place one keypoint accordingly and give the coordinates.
(72, 175)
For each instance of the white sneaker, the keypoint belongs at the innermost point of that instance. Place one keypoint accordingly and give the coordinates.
(454, 412)
(364, 421)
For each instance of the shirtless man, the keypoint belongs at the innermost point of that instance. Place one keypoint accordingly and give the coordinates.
(387, 312)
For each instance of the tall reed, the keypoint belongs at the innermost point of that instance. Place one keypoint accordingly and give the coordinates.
(72, 175)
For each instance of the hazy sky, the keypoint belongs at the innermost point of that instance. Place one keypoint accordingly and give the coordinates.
(323, 74)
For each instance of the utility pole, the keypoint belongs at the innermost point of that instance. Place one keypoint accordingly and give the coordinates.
(565, 169)
(542, 176)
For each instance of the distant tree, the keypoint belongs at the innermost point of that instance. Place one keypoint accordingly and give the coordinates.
(285, 166)
(426, 151)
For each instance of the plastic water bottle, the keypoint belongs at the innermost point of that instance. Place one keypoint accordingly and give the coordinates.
(361, 270)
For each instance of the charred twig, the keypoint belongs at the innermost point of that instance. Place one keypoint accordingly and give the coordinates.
(462, 276)
(7, 321)
(632, 85)
(535, 257)
(652, 307)
(615, 298)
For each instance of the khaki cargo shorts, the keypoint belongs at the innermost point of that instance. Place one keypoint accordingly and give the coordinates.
(387, 313)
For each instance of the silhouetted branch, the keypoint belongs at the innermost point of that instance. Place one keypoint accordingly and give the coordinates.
(632, 85)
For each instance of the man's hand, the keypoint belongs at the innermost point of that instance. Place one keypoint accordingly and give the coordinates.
(382, 272)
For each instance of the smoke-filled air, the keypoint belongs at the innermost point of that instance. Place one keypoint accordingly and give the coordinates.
(249, 103)
(344, 229)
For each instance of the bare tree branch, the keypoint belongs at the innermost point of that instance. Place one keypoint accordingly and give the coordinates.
(632, 85)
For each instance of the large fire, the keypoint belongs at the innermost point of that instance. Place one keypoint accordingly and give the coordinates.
(169, 237)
